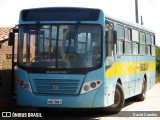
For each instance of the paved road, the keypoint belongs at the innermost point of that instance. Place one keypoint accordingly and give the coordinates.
(151, 104)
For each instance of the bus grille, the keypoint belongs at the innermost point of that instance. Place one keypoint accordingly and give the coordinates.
(56, 86)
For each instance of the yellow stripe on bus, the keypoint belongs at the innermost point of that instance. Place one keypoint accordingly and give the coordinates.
(127, 68)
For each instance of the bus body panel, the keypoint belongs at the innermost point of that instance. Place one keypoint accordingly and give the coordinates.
(46, 83)
(131, 70)
(25, 98)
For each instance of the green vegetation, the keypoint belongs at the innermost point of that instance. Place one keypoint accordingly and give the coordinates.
(158, 63)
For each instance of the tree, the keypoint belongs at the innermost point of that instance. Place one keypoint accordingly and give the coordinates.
(158, 59)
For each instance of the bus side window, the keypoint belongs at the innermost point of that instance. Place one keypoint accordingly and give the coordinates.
(120, 39)
(109, 44)
(109, 39)
(153, 49)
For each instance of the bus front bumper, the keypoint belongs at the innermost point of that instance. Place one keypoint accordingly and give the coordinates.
(87, 100)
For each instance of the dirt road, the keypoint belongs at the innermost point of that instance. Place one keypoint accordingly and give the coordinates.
(151, 104)
(132, 110)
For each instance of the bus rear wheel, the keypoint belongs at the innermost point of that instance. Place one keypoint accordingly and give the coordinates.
(142, 96)
(118, 100)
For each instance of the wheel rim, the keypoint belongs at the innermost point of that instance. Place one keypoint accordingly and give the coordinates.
(117, 98)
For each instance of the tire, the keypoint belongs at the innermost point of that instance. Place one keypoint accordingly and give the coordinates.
(142, 96)
(118, 100)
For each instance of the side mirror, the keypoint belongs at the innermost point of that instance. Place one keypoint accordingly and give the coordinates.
(11, 39)
(114, 37)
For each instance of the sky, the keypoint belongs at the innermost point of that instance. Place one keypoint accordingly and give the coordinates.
(121, 9)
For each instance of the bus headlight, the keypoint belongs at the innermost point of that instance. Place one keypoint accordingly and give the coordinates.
(25, 85)
(93, 85)
(86, 88)
(89, 86)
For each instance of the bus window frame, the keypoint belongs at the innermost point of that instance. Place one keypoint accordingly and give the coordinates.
(126, 41)
(153, 45)
(142, 44)
(110, 25)
(120, 39)
(149, 44)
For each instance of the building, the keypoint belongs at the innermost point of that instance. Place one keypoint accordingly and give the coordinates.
(5, 51)
(5, 69)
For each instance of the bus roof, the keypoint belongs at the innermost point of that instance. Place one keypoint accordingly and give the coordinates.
(60, 14)
(130, 24)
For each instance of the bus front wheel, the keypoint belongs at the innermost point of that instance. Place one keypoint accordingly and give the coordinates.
(118, 100)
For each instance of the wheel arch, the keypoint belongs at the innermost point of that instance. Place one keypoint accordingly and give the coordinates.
(146, 81)
(119, 81)
(115, 109)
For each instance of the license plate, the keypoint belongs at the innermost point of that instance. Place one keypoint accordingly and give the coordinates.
(54, 101)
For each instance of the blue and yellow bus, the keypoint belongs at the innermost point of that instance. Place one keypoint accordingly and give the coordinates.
(81, 58)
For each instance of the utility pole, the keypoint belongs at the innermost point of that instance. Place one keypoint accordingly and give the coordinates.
(136, 11)
(142, 20)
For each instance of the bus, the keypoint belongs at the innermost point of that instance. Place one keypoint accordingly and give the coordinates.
(81, 58)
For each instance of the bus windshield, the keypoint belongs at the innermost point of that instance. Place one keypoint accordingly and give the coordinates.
(60, 46)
